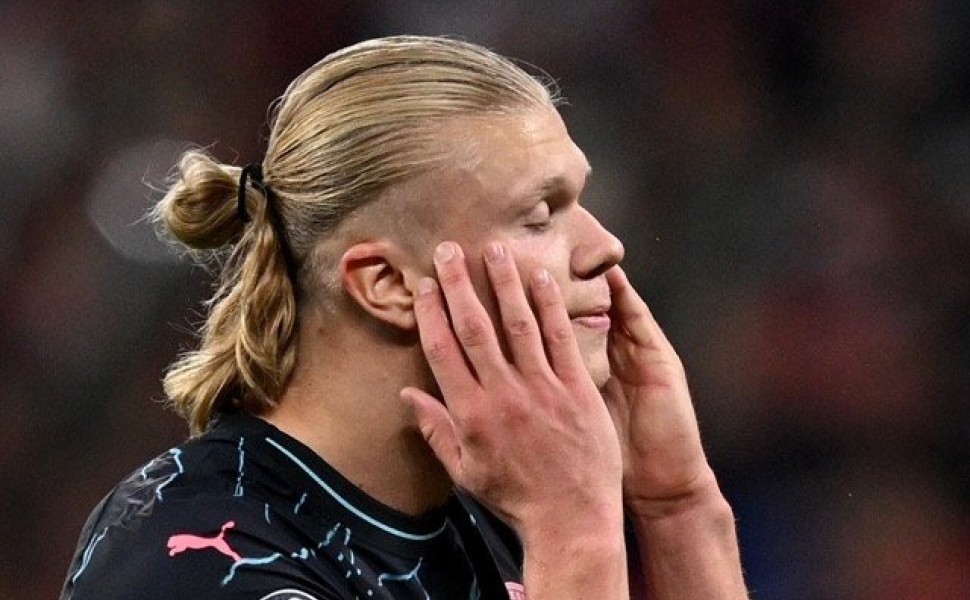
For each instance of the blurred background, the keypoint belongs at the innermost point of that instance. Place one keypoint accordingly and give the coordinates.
(792, 181)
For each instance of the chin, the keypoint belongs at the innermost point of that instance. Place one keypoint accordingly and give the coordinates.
(598, 367)
(593, 349)
(600, 378)
(594, 352)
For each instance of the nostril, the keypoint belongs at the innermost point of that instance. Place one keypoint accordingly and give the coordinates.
(599, 270)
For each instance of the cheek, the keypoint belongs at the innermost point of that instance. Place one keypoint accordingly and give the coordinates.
(531, 252)
(548, 251)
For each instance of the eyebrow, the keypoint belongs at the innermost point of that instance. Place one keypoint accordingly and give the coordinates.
(552, 185)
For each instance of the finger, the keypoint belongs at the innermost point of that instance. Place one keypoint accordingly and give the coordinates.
(469, 319)
(436, 427)
(631, 313)
(557, 329)
(440, 347)
(518, 320)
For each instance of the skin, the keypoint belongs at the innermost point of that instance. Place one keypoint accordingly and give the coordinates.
(528, 435)
(584, 373)
(526, 196)
(532, 375)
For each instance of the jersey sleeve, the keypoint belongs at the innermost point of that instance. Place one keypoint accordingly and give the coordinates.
(203, 548)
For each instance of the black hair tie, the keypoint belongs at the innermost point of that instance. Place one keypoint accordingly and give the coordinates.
(254, 173)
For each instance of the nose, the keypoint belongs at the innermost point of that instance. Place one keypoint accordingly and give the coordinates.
(596, 250)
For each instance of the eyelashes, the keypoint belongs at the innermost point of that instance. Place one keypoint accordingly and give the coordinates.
(539, 227)
(539, 219)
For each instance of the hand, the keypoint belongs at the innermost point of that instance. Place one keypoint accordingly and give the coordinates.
(527, 435)
(648, 398)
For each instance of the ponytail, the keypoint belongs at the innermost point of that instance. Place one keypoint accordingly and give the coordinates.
(247, 351)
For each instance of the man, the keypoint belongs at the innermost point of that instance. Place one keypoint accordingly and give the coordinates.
(424, 373)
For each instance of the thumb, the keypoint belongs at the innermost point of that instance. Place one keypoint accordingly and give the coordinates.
(437, 428)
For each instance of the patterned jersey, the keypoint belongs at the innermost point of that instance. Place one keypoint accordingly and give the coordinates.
(245, 512)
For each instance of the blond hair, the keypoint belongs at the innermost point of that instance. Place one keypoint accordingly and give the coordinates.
(358, 122)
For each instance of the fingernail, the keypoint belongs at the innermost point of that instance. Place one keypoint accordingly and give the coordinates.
(425, 285)
(542, 277)
(495, 253)
(445, 252)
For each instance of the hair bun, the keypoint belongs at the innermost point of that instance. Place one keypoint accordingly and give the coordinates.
(200, 208)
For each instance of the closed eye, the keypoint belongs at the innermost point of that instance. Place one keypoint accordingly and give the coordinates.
(539, 218)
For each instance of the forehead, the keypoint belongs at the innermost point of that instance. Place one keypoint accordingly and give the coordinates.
(497, 162)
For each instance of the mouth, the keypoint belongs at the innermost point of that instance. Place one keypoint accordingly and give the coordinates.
(597, 318)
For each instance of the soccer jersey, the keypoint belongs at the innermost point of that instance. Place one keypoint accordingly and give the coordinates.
(247, 512)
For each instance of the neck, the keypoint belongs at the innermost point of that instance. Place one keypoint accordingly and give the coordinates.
(343, 403)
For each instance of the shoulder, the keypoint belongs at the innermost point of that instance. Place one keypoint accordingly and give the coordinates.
(211, 546)
(184, 525)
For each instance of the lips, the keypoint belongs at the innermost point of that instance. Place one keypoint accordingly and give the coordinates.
(596, 318)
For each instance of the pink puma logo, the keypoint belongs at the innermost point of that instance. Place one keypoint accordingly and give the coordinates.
(516, 591)
(187, 541)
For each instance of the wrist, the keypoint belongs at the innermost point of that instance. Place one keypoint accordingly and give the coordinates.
(688, 522)
(701, 496)
(575, 559)
(689, 546)
(555, 528)
(708, 516)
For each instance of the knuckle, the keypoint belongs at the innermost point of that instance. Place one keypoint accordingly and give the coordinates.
(514, 414)
(474, 428)
(452, 277)
(472, 331)
(435, 351)
(519, 327)
(559, 334)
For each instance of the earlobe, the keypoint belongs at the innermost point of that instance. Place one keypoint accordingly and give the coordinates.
(373, 275)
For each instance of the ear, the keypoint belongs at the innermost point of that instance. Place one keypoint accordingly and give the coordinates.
(376, 275)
